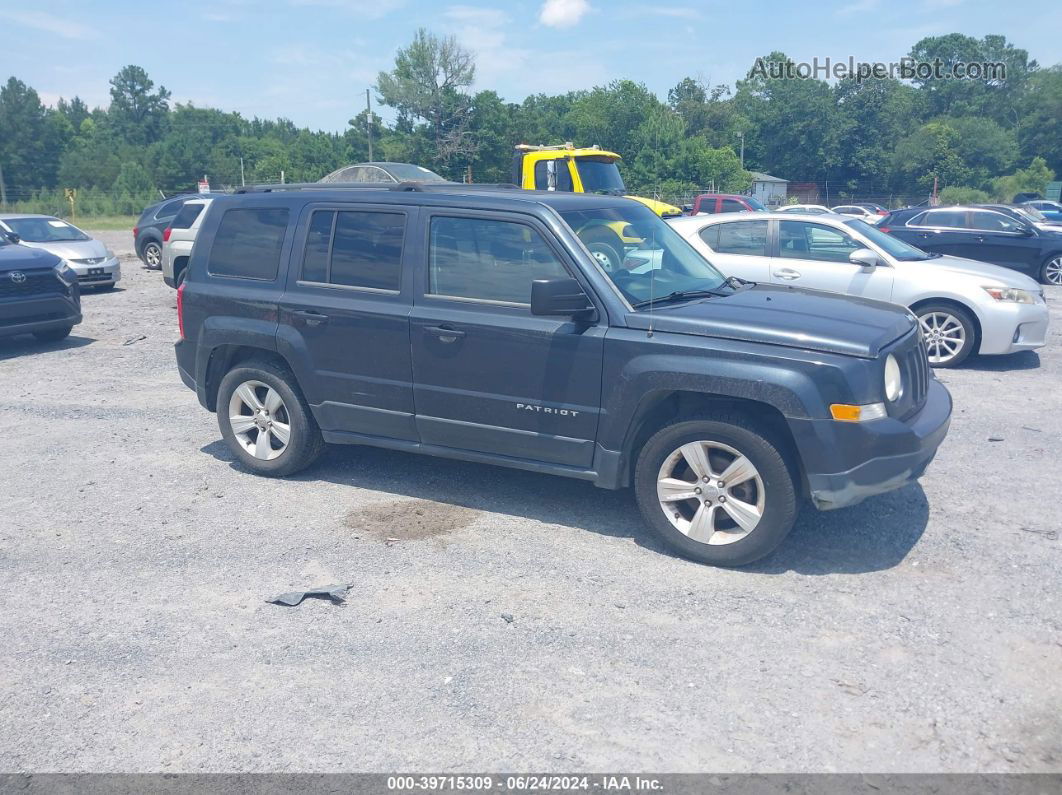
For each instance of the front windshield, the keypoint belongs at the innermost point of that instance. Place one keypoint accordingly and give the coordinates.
(1032, 214)
(44, 230)
(895, 247)
(643, 256)
(600, 175)
(407, 172)
(755, 204)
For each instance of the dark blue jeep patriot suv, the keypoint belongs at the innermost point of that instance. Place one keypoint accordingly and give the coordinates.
(38, 293)
(473, 322)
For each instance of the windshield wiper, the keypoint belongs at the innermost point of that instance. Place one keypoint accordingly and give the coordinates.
(678, 295)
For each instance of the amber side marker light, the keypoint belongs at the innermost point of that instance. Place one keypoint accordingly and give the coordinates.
(842, 412)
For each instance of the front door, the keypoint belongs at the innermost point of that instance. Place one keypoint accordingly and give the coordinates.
(816, 256)
(344, 317)
(488, 375)
(999, 239)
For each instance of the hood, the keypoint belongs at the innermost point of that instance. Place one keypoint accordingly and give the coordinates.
(986, 273)
(72, 249)
(660, 208)
(789, 316)
(16, 258)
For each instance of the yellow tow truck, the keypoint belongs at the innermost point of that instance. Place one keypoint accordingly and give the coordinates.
(591, 169)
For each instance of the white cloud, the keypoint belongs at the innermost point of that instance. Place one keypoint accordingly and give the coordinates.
(563, 13)
(50, 23)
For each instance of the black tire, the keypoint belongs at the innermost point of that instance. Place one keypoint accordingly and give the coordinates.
(53, 335)
(605, 246)
(304, 444)
(1051, 270)
(969, 328)
(780, 503)
(152, 252)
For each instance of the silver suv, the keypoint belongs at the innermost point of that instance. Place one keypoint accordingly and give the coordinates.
(178, 239)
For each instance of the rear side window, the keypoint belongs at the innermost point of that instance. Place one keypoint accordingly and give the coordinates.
(358, 248)
(954, 219)
(186, 217)
(741, 237)
(706, 205)
(488, 260)
(169, 209)
(248, 243)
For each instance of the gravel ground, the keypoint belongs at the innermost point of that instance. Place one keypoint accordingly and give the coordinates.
(918, 632)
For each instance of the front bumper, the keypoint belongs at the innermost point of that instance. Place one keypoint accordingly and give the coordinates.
(847, 462)
(1009, 328)
(25, 316)
(100, 274)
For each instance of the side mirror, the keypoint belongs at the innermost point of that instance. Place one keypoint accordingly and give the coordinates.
(560, 297)
(12, 236)
(864, 258)
(1026, 231)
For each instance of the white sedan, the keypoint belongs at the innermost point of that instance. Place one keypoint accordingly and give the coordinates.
(964, 306)
(810, 209)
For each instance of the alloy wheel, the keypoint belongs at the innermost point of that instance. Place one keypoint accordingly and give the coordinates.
(1053, 271)
(944, 335)
(710, 492)
(259, 420)
(153, 256)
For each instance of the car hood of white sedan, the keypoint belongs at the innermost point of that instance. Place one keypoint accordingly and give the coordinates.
(988, 274)
(73, 249)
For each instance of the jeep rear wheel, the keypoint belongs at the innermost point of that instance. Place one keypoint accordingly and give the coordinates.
(265, 420)
(716, 490)
(153, 255)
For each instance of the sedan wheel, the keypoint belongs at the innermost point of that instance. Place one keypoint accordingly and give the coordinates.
(710, 492)
(945, 336)
(1052, 271)
(259, 420)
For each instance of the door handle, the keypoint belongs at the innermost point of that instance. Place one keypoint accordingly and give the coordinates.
(787, 273)
(312, 318)
(444, 333)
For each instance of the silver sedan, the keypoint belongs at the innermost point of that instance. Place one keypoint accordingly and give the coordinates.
(95, 264)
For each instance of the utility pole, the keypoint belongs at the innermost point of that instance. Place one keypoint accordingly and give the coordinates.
(242, 180)
(3, 188)
(742, 135)
(368, 121)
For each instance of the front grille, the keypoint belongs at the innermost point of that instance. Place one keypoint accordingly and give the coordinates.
(90, 261)
(35, 283)
(910, 354)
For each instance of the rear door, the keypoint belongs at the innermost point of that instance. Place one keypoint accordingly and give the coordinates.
(344, 317)
(739, 248)
(733, 206)
(940, 231)
(488, 375)
(816, 255)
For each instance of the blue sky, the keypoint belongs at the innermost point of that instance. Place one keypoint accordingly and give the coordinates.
(311, 60)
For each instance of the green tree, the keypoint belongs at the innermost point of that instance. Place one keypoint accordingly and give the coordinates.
(963, 195)
(137, 113)
(1040, 133)
(427, 83)
(1033, 179)
(930, 152)
(30, 139)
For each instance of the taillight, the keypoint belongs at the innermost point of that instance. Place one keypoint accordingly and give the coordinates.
(136, 231)
(166, 234)
(885, 229)
(180, 309)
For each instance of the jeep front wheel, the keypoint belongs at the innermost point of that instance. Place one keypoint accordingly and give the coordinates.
(716, 490)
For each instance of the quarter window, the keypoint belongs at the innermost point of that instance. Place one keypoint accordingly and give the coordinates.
(487, 259)
(740, 237)
(248, 243)
(354, 249)
(801, 240)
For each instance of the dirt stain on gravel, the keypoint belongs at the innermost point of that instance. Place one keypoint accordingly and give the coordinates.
(409, 520)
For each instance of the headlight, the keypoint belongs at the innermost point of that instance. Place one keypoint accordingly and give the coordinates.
(1011, 295)
(67, 274)
(893, 379)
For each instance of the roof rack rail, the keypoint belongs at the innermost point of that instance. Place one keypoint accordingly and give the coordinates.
(430, 187)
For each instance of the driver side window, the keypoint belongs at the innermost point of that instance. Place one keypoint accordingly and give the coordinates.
(802, 240)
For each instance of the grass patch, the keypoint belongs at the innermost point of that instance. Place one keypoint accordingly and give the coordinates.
(105, 223)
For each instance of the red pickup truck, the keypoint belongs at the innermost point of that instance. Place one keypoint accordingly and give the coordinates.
(726, 203)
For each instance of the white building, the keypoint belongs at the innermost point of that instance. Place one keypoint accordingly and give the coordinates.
(770, 190)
